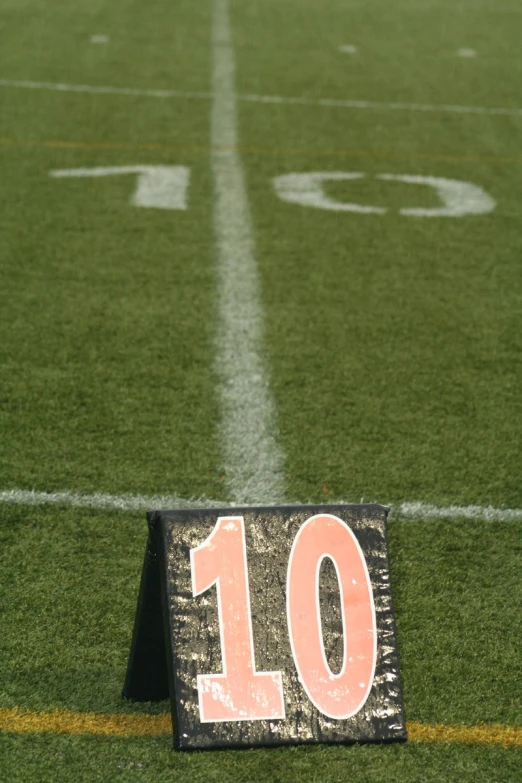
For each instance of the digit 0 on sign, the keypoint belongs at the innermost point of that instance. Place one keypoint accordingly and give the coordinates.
(240, 693)
(335, 695)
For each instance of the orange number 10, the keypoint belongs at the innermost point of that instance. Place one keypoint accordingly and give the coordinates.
(242, 693)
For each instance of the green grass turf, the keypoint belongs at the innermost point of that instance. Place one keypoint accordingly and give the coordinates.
(150, 46)
(70, 580)
(393, 347)
(396, 346)
(108, 345)
(47, 758)
(108, 310)
(406, 49)
(395, 342)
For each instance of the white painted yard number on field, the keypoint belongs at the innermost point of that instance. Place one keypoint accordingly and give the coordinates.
(241, 692)
(458, 198)
(165, 187)
(162, 187)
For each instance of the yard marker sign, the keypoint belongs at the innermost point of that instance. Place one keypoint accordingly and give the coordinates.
(269, 626)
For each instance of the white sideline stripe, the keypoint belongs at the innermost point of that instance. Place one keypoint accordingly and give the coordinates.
(425, 511)
(387, 105)
(104, 90)
(102, 501)
(253, 460)
(106, 502)
(251, 98)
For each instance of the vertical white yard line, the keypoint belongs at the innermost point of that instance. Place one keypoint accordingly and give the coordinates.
(253, 459)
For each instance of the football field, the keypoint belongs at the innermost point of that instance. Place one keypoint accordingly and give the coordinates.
(259, 252)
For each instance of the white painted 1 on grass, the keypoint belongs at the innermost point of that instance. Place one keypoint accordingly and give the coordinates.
(458, 198)
(161, 187)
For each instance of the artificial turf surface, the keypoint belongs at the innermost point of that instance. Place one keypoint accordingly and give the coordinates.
(55, 758)
(393, 346)
(69, 582)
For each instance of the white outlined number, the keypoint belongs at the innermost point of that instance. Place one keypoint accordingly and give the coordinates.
(239, 693)
(242, 693)
(335, 695)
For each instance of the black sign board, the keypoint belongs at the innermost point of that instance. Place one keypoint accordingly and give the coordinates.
(269, 626)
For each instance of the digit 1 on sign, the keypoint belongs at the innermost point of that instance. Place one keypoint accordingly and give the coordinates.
(335, 695)
(239, 693)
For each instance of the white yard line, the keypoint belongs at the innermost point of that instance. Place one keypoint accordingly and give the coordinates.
(275, 99)
(420, 512)
(102, 501)
(101, 89)
(253, 459)
(425, 511)
(341, 103)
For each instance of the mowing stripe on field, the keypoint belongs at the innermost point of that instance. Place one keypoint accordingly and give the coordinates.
(128, 725)
(106, 502)
(340, 103)
(253, 460)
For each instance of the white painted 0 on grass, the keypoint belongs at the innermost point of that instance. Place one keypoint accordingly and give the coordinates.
(348, 49)
(334, 103)
(458, 198)
(253, 459)
(414, 511)
(466, 53)
(99, 39)
(307, 190)
(160, 187)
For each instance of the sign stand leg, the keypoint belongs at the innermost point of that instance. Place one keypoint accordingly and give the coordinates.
(147, 673)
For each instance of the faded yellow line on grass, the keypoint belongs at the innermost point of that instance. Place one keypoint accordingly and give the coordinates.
(65, 722)
(253, 150)
(483, 734)
(19, 721)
